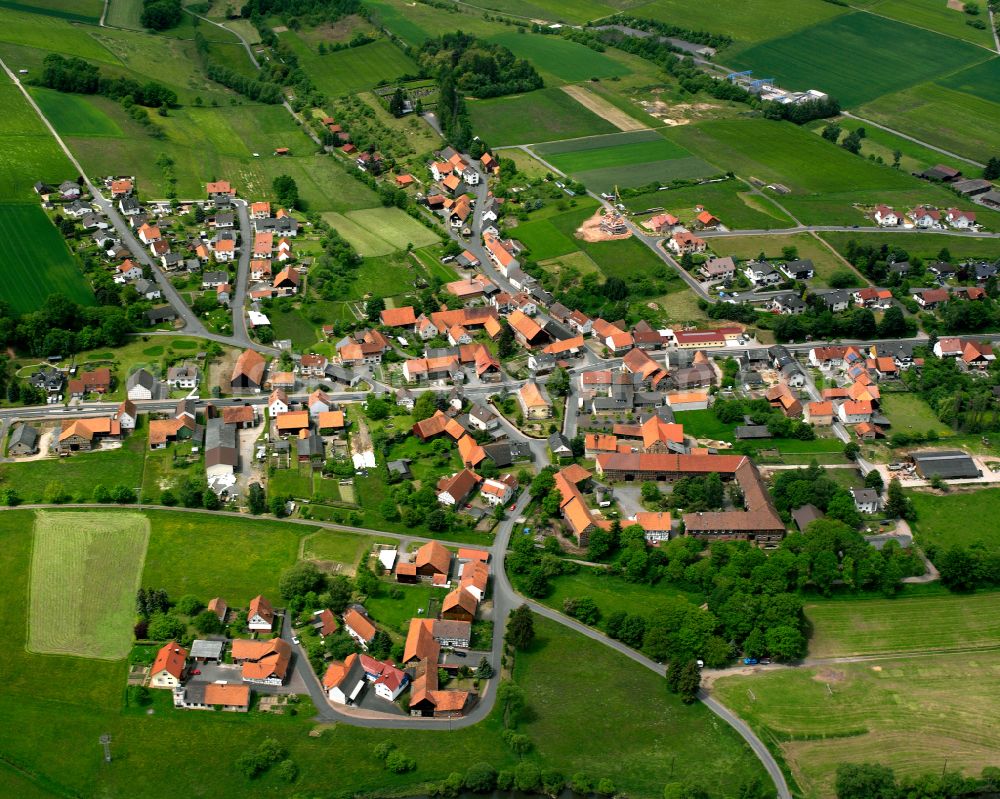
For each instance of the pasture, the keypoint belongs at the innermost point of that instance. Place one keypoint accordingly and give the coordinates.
(51, 33)
(955, 120)
(936, 622)
(565, 60)
(730, 200)
(72, 115)
(916, 716)
(353, 70)
(959, 518)
(85, 569)
(35, 262)
(414, 24)
(846, 57)
(543, 115)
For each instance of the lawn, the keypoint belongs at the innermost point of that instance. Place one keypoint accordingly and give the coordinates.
(955, 120)
(938, 622)
(910, 414)
(826, 261)
(395, 614)
(236, 558)
(72, 115)
(35, 262)
(85, 568)
(353, 70)
(544, 241)
(612, 593)
(295, 482)
(344, 549)
(543, 115)
(963, 518)
(663, 740)
(729, 200)
(78, 474)
(565, 60)
(846, 57)
(705, 424)
(916, 716)
(366, 242)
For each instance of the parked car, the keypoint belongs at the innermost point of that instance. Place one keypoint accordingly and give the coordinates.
(750, 661)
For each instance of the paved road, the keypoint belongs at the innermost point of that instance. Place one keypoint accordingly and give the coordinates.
(721, 234)
(239, 294)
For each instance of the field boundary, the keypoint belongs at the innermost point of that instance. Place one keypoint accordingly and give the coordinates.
(603, 109)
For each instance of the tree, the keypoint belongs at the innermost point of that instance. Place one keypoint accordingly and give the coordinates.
(615, 289)
(481, 778)
(852, 142)
(278, 506)
(865, 781)
(189, 605)
(164, 627)
(286, 191)
(958, 568)
(521, 627)
(992, 169)
(583, 608)
(397, 103)
(897, 505)
(484, 670)
(527, 777)
(211, 500)
(874, 480)
(785, 643)
(893, 324)
(374, 308)
(832, 132)
(207, 623)
(511, 699)
(300, 579)
(506, 345)
(558, 383)
(256, 499)
(688, 681)
(380, 646)
(101, 494)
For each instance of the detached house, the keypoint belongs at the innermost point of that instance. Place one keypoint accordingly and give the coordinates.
(761, 273)
(886, 217)
(456, 489)
(534, 404)
(260, 616)
(167, 670)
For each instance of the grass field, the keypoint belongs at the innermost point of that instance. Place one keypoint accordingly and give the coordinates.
(916, 716)
(625, 258)
(395, 226)
(935, 623)
(88, 11)
(29, 153)
(962, 518)
(196, 554)
(71, 115)
(924, 245)
(544, 241)
(955, 120)
(85, 569)
(846, 58)
(551, 10)
(910, 414)
(543, 115)
(729, 200)
(51, 33)
(561, 58)
(662, 736)
(347, 549)
(125, 14)
(705, 424)
(395, 614)
(353, 70)
(35, 262)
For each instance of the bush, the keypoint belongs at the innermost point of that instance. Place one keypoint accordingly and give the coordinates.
(481, 778)
(398, 763)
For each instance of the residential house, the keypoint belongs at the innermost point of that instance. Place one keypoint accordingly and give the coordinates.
(359, 626)
(820, 414)
(248, 372)
(127, 271)
(802, 269)
(656, 527)
(866, 500)
(886, 216)
(534, 403)
(260, 615)
(928, 299)
(718, 268)
(499, 491)
(231, 697)
(455, 490)
(141, 385)
(96, 381)
(855, 411)
(399, 317)
(168, 666)
(262, 662)
(960, 220)
(761, 273)
(684, 242)
(926, 217)
(183, 376)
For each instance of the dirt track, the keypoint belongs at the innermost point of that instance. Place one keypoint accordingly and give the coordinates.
(603, 108)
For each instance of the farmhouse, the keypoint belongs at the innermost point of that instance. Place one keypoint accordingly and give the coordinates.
(81, 435)
(359, 626)
(232, 697)
(260, 616)
(167, 670)
(23, 441)
(262, 662)
(248, 373)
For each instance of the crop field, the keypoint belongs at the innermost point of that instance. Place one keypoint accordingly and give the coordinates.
(85, 569)
(730, 200)
(917, 716)
(34, 261)
(923, 245)
(353, 70)
(955, 120)
(963, 518)
(826, 262)
(72, 115)
(846, 57)
(982, 80)
(51, 33)
(88, 11)
(543, 115)
(624, 159)
(567, 61)
(125, 14)
(939, 622)
(414, 24)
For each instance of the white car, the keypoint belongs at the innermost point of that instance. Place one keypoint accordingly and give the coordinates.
(295, 640)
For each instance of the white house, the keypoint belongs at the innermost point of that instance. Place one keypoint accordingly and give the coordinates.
(141, 385)
(127, 271)
(482, 418)
(866, 500)
(277, 402)
(497, 492)
(426, 329)
(962, 220)
(127, 414)
(168, 667)
(886, 217)
(470, 176)
(855, 412)
(926, 217)
(260, 616)
(761, 273)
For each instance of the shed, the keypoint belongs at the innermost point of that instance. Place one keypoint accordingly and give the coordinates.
(948, 464)
(205, 651)
(805, 515)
